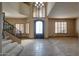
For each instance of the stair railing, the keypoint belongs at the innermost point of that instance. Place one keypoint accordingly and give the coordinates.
(11, 29)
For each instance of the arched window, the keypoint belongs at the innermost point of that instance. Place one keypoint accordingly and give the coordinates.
(39, 9)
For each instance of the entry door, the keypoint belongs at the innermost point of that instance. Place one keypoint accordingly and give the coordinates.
(39, 29)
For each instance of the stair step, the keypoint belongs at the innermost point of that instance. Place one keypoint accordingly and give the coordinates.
(15, 51)
(4, 43)
(9, 47)
(6, 37)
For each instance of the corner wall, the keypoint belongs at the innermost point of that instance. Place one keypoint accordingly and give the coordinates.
(77, 26)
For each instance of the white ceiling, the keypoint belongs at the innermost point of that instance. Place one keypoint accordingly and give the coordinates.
(50, 7)
(65, 9)
(11, 9)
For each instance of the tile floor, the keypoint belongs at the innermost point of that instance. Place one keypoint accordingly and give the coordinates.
(50, 47)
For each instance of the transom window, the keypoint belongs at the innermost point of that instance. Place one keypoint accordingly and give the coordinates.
(60, 27)
(39, 9)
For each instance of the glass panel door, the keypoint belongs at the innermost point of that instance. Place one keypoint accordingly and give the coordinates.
(39, 29)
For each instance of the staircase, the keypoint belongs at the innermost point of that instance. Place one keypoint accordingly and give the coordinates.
(10, 48)
(10, 30)
(11, 43)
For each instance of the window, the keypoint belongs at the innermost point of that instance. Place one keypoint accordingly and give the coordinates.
(60, 27)
(27, 28)
(19, 28)
(39, 9)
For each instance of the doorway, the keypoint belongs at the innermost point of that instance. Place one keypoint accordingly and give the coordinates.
(39, 29)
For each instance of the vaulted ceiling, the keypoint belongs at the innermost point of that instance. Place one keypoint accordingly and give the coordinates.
(15, 9)
(21, 9)
(65, 10)
(54, 9)
(50, 6)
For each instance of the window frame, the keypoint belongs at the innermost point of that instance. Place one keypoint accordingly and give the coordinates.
(60, 27)
(20, 28)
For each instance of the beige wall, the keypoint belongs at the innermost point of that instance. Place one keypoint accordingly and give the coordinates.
(66, 10)
(49, 26)
(15, 21)
(77, 26)
(71, 28)
(60, 10)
